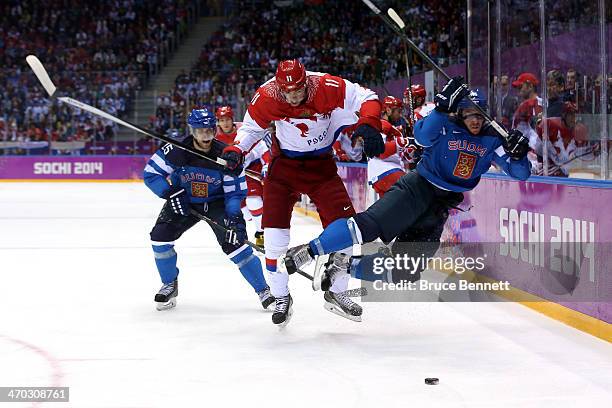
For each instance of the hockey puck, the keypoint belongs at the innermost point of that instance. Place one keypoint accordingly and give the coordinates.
(432, 381)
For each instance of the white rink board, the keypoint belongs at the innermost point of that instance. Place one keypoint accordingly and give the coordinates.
(78, 280)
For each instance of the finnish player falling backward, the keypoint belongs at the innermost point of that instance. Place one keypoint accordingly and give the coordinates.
(309, 110)
(458, 149)
(199, 185)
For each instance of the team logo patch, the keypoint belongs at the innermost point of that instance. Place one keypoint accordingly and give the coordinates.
(465, 165)
(199, 189)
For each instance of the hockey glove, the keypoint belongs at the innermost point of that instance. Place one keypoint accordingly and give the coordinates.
(516, 145)
(178, 201)
(234, 158)
(373, 143)
(236, 232)
(448, 99)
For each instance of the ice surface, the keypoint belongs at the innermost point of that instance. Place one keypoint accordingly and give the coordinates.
(78, 280)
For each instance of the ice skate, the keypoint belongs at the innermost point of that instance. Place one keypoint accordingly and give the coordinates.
(266, 298)
(296, 258)
(342, 305)
(259, 238)
(282, 311)
(328, 268)
(166, 297)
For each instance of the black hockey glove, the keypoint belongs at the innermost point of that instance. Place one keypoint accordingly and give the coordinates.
(178, 200)
(234, 158)
(448, 99)
(373, 143)
(236, 232)
(516, 145)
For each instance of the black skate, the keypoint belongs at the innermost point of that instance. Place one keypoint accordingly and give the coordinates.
(282, 311)
(328, 268)
(342, 305)
(166, 297)
(266, 298)
(296, 258)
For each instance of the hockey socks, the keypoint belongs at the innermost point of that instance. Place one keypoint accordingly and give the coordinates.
(250, 267)
(335, 237)
(165, 259)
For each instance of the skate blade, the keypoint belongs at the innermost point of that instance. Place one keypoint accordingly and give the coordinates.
(319, 272)
(286, 322)
(166, 305)
(336, 310)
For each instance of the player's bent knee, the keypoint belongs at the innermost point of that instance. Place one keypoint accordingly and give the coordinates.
(364, 228)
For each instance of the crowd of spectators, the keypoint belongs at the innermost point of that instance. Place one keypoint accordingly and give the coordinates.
(100, 53)
(335, 36)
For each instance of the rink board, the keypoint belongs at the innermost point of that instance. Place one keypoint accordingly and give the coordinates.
(66, 168)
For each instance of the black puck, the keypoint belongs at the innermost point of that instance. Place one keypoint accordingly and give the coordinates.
(432, 381)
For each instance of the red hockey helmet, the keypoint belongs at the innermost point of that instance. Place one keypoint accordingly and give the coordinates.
(417, 90)
(392, 102)
(290, 75)
(224, 112)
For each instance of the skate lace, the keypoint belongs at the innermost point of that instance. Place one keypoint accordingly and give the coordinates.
(343, 299)
(302, 257)
(282, 303)
(167, 289)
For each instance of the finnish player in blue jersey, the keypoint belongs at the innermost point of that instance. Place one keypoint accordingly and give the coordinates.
(458, 149)
(199, 184)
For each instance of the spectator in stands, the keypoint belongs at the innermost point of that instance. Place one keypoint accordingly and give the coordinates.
(555, 89)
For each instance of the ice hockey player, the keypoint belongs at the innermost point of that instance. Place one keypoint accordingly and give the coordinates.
(257, 162)
(392, 113)
(419, 94)
(307, 108)
(200, 185)
(458, 149)
(400, 153)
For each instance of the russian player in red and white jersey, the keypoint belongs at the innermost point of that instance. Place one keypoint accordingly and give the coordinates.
(385, 169)
(252, 207)
(392, 113)
(307, 109)
(421, 108)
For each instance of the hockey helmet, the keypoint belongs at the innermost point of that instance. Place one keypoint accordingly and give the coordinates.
(417, 90)
(224, 112)
(290, 75)
(392, 102)
(201, 118)
(476, 96)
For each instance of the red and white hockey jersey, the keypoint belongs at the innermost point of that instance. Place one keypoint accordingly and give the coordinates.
(397, 153)
(423, 110)
(311, 128)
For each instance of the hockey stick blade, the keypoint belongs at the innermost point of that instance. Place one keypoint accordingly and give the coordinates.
(41, 74)
(396, 18)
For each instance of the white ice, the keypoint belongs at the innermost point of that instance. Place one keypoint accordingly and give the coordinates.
(77, 286)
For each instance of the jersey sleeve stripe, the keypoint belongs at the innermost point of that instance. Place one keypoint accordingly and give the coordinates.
(161, 163)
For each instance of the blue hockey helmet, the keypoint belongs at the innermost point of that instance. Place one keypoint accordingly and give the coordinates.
(202, 118)
(476, 96)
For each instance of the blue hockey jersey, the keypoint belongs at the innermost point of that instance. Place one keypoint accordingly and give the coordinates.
(454, 159)
(202, 180)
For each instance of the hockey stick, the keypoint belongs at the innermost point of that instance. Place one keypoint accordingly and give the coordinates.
(397, 24)
(249, 243)
(45, 80)
(557, 167)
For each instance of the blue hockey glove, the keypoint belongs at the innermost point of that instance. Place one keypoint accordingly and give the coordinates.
(178, 201)
(516, 145)
(448, 99)
(236, 232)
(373, 143)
